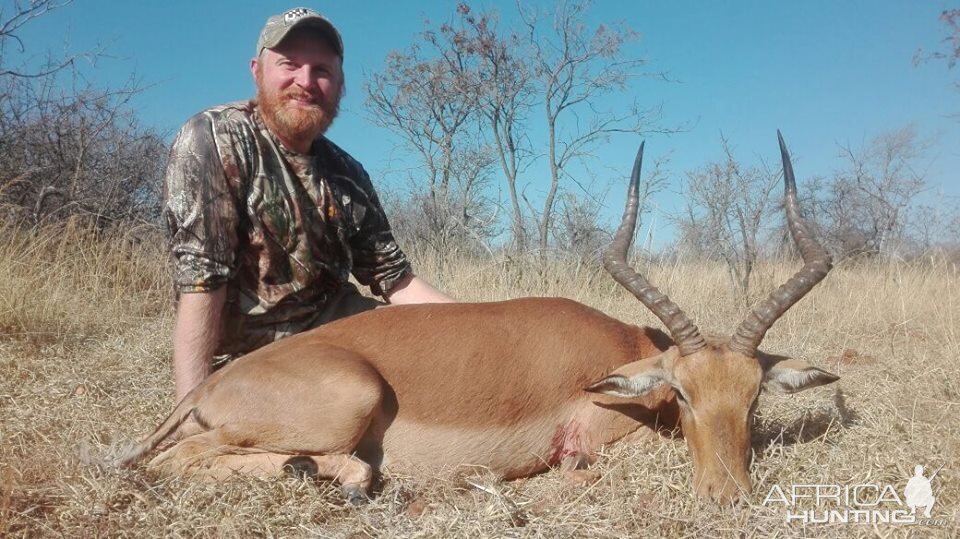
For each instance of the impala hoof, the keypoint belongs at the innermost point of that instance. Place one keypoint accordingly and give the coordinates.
(354, 494)
(581, 477)
(301, 467)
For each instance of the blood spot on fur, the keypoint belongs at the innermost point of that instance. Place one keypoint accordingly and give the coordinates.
(567, 441)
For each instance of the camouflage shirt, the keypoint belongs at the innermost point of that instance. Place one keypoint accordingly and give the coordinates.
(282, 230)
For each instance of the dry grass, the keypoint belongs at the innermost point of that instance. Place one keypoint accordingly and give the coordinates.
(84, 361)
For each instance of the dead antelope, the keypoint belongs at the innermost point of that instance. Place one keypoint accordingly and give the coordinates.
(513, 387)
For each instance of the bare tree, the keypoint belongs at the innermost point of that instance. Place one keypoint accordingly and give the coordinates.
(471, 77)
(577, 68)
(67, 147)
(428, 102)
(864, 209)
(951, 18)
(726, 203)
(70, 150)
(464, 224)
(428, 96)
(580, 229)
(936, 226)
(13, 17)
(505, 99)
(951, 51)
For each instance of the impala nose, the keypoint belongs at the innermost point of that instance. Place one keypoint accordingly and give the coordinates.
(723, 488)
(725, 493)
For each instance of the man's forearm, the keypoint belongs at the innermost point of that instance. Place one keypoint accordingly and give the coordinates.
(195, 338)
(413, 289)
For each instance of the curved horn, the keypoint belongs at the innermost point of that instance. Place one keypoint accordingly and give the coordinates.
(683, 331)
(816, 265)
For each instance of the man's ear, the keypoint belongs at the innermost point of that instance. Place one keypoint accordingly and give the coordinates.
(632, 380)
(253, 68)
(784, 375)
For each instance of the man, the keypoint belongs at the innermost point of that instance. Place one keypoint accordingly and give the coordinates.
(919, 493)
(268, 218)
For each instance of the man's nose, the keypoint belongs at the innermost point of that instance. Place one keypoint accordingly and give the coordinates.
(304, 78)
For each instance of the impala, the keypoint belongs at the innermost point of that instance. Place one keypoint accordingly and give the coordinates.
(512, 387)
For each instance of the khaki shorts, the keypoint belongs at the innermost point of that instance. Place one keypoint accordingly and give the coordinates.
(244, 336)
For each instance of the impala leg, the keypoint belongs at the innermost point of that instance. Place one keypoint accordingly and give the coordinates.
(195, 456)
(577, 461)
(574, 468)
(354, 475)
(208, 456)
(205, 456)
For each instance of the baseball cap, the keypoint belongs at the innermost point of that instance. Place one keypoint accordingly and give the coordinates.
(278, 26)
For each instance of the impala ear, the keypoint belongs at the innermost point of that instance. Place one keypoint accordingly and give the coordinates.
(784, 375)
(617, 385)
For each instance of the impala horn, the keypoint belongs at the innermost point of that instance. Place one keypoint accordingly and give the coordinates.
(816, 265)
(683, 331)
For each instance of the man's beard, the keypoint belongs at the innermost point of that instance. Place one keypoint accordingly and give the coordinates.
(294, 122)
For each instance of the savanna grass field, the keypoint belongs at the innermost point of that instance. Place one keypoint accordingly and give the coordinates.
(85, 323)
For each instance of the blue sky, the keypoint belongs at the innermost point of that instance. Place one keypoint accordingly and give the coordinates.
(824, 72)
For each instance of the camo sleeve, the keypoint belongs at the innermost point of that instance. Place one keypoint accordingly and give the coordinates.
(378, 261)
(199, 210)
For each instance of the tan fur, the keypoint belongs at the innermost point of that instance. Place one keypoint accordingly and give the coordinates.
(722, 387)
(436, 387)
(451, 388)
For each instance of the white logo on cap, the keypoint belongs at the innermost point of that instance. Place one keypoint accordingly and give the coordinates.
(295, 14)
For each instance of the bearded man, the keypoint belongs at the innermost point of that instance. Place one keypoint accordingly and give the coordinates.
(269, 218)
